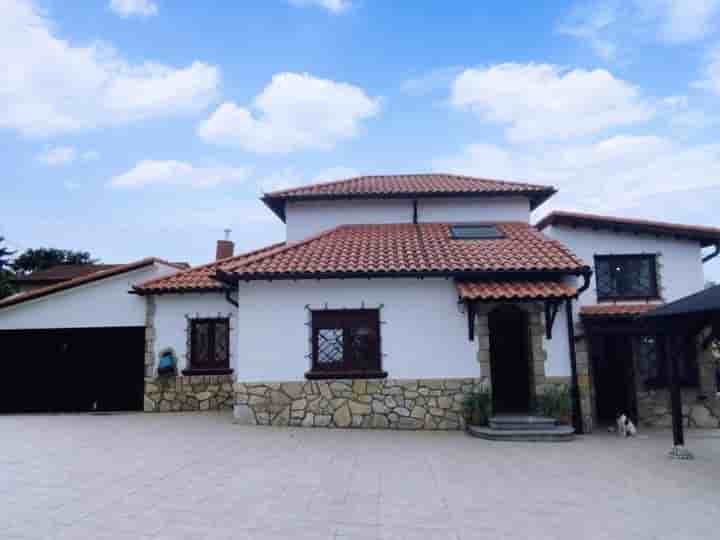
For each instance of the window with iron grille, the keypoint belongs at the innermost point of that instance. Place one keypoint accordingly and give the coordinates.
(209, 346)
(652, 362)
(626, 277)
(345, 344)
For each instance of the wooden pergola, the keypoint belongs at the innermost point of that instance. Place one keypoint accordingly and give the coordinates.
(673, 322)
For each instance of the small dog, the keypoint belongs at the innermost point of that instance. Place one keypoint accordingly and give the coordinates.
(625, 426)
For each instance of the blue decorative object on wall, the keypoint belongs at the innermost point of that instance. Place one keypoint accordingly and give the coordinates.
(167, 364)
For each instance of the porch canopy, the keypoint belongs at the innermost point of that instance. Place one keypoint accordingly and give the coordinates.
(685, 317)
(552, 293)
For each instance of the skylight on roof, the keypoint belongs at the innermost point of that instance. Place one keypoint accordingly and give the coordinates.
(475, 232)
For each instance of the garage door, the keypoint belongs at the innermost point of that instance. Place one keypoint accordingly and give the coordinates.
(72, 370)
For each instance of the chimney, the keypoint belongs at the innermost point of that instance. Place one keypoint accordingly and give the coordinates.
(225, 248)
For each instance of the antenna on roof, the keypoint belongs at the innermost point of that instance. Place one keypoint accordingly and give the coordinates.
(227, 233)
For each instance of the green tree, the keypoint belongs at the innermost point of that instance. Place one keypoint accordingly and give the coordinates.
(32, 260)
(6, 289)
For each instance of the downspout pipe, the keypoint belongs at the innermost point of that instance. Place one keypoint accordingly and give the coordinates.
(714, 253)
(587, 274)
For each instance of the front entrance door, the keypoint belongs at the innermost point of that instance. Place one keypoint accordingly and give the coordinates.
(613, 377)
(510, 359)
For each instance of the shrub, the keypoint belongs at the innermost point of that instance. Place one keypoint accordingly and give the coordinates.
(554, 402)
(477, 408)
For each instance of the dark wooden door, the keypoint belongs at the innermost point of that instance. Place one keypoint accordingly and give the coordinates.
(614, 377)
(510, 359)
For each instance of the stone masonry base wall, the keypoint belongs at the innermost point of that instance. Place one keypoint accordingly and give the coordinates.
(654, 409)
(374, 403)
(189, 393)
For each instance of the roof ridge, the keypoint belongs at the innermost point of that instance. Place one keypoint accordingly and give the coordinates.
(291, 245)
(279, 193)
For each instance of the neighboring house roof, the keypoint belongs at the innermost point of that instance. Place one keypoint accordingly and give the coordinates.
(406, 249)
(60, 272)
(615, 310)
(514, 290)
(705, 235)
(83, 280)
(407, 186)
(197, 279)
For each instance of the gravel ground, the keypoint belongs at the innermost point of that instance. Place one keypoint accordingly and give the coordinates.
(198, 476)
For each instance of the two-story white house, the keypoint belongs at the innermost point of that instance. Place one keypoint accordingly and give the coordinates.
(391, 299)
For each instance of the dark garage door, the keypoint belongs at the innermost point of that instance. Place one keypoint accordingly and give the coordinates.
(72, 370)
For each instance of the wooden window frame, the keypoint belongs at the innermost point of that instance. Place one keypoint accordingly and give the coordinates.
(195, 369)
(654, 295)
(346, 320)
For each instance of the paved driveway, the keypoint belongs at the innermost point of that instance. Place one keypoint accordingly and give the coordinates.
(201, 477)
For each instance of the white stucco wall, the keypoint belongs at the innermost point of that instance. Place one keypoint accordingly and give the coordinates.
(305, 218)
(423, 334)
(680, 269)
(171, 321)
(474, 209)
(102, 303)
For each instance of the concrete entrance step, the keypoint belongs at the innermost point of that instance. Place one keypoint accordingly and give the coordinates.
(554, 434)
(519, 422)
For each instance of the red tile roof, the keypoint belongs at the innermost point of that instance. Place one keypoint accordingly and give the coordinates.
(407, 186)
(615, 310)
(199, 278)
(407, 249)
(83, 280)
(705, 235)
(513, 290)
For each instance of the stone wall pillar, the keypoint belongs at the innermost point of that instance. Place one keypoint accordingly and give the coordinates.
(150, 309)
(584, 382)
(538, 356)
(706, 363)
(482, 330)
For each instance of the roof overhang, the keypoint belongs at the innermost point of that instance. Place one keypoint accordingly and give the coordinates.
(83, 280)
(234, 278)
(512, 290)
(277, 203)
(706, 236)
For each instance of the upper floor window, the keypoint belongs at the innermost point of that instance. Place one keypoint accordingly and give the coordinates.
(475, 232)
(626, 277)
(209, 346)
(346, 344)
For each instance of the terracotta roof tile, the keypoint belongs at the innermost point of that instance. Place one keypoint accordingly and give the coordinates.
(427, 248)
(615, 310)
(513, 290)
(62, 272)
(705, 235)
(407, 186)
(197, 279)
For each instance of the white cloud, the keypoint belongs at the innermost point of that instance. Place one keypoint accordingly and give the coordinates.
(542, 101)
(177, 173)
(49, 86)
(64, 155)
(294, 112)
(428, 82)
(334, 6)
(128, 8)
(610, 26)
(711, 72)
(604, 176)
(591, 23)
(681, 21)
(58, 155)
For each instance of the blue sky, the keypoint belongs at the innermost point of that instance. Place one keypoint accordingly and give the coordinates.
(145, 127)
